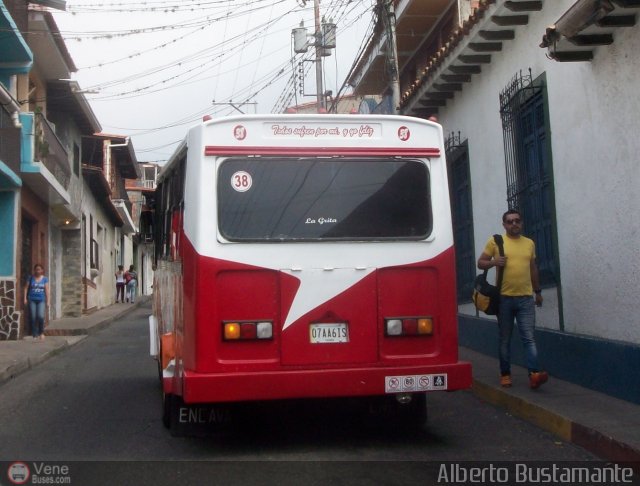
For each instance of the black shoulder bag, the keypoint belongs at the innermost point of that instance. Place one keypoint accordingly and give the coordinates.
(486, 297)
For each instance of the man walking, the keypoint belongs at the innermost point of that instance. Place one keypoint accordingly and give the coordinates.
(519, 284)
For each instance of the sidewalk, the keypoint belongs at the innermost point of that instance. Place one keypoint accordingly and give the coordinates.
(19, 356)
(606, 426)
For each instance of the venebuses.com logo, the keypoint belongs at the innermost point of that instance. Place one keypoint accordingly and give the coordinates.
(20, 472)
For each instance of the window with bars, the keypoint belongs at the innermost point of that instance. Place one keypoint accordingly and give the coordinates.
(529, 170)
(95, 254)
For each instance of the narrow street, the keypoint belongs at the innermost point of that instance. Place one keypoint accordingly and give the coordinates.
(100, 401)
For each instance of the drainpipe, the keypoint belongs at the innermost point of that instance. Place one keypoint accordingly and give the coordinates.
(13, 107)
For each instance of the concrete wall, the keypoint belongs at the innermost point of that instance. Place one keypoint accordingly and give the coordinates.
(10, 306)
(143, 260)
(609, 367)
(9, 225)
(71, 300)
(595, 146)
(128, 255)
(56, 290)
(593, 109)
(101, 290)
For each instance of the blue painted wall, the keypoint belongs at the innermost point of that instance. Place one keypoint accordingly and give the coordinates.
(26, 143)
(609, 367)
(7, 223)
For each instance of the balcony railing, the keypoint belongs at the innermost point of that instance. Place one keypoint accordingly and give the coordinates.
(133, 184)
(50, 151)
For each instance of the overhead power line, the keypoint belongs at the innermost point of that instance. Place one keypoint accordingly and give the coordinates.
(211, 59)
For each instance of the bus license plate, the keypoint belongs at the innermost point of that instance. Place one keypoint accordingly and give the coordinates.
(335, 332)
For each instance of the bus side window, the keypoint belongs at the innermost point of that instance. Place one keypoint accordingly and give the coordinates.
(176, 234)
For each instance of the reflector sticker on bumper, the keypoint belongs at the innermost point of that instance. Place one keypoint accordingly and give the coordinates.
(415, 383)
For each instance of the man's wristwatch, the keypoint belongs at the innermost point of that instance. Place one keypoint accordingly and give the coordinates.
(538, 291)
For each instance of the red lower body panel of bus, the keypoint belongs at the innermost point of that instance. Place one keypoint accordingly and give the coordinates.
(338, 332)
(224, 387)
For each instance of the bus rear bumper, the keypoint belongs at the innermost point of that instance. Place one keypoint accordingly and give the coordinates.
(352, 382)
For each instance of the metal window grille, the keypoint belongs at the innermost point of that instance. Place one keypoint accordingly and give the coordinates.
(528, 167)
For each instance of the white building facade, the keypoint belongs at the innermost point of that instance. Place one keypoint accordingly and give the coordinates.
(592, 115)
(540, 100)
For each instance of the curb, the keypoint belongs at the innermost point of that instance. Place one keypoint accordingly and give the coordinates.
(98, 326)
(73, 336)
(539, 416)
(14, 370)
(594, 441)
(31, 362)
(81, 331)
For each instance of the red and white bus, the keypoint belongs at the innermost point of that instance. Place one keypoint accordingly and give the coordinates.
(303, 256)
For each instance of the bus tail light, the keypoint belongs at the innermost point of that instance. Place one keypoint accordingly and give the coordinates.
(409, 326)
(247, 330)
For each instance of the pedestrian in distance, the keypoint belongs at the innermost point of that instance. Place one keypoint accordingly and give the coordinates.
(519, 294)
(131, 278)
(120, 284)
(36, 297)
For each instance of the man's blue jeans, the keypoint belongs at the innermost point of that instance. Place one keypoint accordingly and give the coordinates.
(36, 317)
(522, 309)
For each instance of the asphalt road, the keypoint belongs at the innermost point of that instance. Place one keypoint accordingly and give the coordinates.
(100, 401)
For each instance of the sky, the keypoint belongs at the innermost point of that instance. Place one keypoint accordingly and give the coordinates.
(150, 69)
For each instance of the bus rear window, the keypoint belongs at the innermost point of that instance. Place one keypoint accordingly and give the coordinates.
(285, 199)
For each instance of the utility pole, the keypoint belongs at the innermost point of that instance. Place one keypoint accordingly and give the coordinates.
(318, 44)
(390, 21)
(324, 40)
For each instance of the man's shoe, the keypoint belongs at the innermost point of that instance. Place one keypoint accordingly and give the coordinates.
(537, 378)
(505, 381)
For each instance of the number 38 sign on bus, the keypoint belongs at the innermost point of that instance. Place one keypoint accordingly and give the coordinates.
(241, 181)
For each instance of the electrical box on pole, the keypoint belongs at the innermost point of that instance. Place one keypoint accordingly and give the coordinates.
(300, 39)
(328, 35)
(323, 40)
